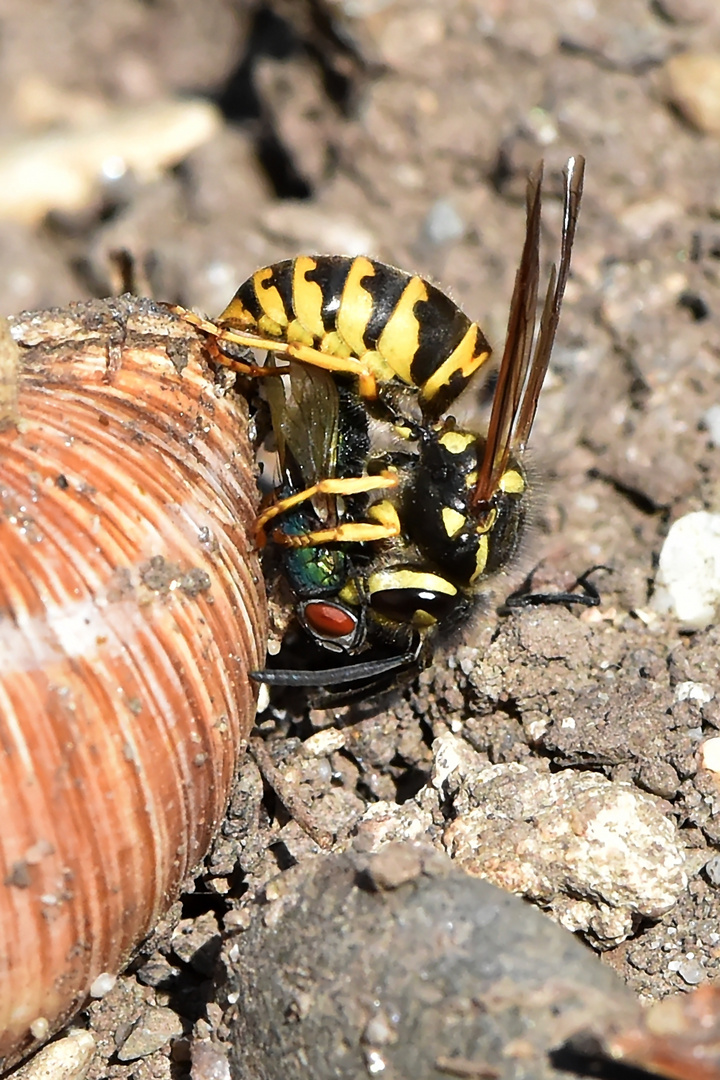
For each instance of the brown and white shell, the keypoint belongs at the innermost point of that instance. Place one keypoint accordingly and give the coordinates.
(131, 611)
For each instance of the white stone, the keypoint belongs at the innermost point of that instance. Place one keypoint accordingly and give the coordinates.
(688, 579)
(694, 691)
(711, 419)
(324, 742)
(103, 984)
(595, 853)
(710, 751)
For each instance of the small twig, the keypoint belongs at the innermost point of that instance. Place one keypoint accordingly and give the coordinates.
(287, 795)
(463, 1067)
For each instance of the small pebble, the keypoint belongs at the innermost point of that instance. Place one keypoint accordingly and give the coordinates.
(688, 580)
(236, 919)
(64, 1059)
(151, 1032)
(710, 752)
(596, 853)
(379, 1030)
(324, 742)
(197, 942)
(694, 691)
(158, 972)
(691, 972)
(102, 985)
(40, 1028)
(660, 778)
(208, 1062)
(263, 698)
(693, 87)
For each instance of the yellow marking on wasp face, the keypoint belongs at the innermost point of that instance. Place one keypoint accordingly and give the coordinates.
(307, 297)
(349, 593)
(333, 345)
(456, 442)
(356, 305)
(385, 514)
(236, 316)
(481, 557)
(409, 579)
(465, 359)
(269, 298)
(471, 479)
(452, 521)
(422, 619)
(399, 341)
(512, 482)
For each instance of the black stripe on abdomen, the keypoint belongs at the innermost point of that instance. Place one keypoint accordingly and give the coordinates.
(330, 274)
(385, 287)
(442, 327)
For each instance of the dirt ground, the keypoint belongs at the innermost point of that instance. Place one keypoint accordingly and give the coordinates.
(405, 129)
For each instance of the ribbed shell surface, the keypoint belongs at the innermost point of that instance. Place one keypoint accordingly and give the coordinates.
(131, 611)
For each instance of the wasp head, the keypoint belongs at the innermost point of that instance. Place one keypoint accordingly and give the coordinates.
(465, 537)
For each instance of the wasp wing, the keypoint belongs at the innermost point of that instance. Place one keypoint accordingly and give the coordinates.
(522, 369)
(574, 175)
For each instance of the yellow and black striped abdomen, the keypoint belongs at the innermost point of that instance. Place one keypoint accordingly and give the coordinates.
(399, 325)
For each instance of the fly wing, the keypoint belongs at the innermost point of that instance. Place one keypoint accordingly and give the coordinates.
(304, 410)
(522, 369)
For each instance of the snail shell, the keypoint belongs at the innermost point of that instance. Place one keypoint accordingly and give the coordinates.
(131, 611)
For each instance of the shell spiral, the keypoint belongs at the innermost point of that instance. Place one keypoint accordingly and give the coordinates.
(131, 611)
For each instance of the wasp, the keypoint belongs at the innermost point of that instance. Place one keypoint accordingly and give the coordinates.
(382, 548)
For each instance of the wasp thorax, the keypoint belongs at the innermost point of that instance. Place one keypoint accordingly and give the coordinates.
(466, 539)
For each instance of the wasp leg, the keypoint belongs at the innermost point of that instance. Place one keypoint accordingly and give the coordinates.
(352, 485)
(354, 532)
(291, 350)
(252, 370)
